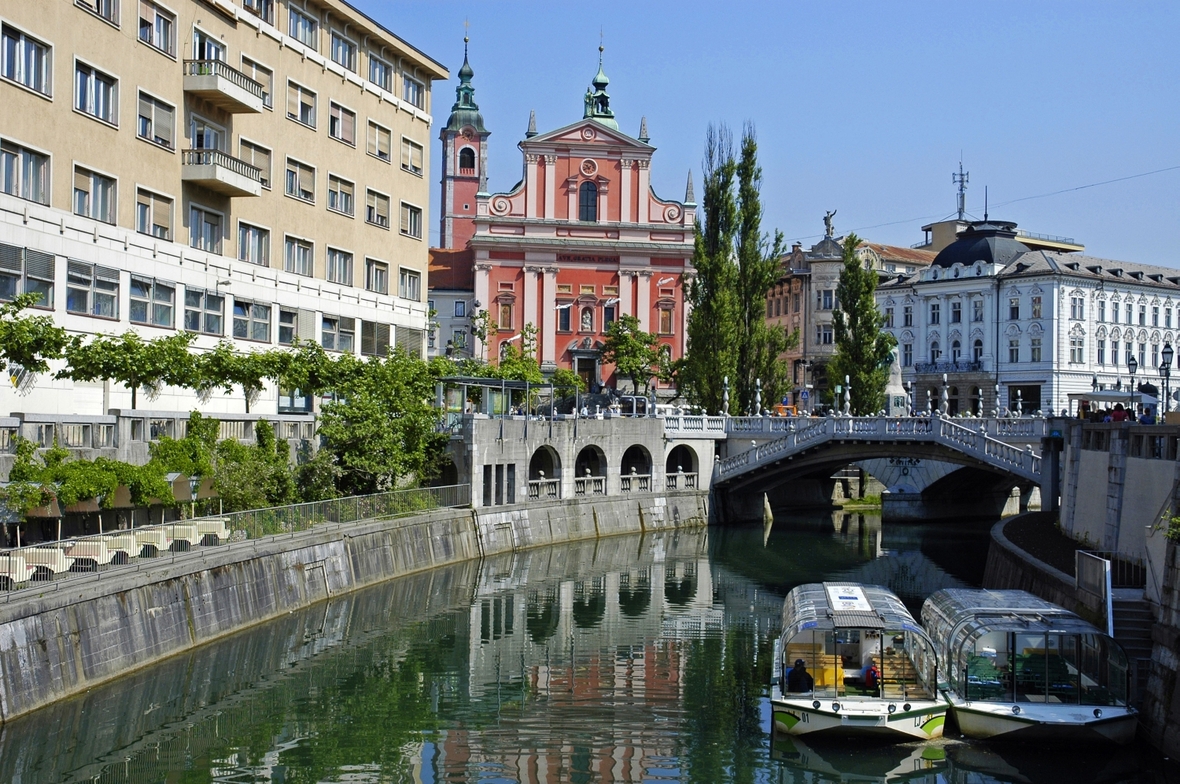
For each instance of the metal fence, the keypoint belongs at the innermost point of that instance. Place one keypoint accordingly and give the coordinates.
(45, 565)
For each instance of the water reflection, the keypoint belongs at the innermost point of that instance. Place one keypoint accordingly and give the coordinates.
(628, 659)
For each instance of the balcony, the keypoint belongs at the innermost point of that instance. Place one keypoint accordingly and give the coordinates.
(962, 366)
(227, 88)
(220, 172)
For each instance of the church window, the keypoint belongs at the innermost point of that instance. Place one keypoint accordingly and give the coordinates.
(588, 202)
(505, 316)
(563, 318)
(467, 161)
(666, 321)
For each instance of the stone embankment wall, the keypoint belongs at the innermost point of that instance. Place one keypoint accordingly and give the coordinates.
(1161, 705)
(87, 630)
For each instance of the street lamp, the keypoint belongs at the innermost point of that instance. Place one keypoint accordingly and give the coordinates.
(194, 484)
(1094, 383)
(1132, 366)
(1166, 371)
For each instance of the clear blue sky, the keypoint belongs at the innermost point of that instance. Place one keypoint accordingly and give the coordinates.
(862, 107)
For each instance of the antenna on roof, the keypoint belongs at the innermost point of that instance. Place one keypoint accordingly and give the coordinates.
(961, 179)
(985, 202)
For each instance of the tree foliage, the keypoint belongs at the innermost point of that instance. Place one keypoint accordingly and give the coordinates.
(28, 342)
(131, 361)
(634, 353)
(863, 351)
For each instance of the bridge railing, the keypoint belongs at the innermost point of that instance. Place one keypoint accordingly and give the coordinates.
(694, 425)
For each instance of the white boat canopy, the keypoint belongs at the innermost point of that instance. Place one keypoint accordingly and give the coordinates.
(829, 606)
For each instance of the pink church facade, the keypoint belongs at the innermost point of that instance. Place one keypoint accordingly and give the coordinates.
(582, 240)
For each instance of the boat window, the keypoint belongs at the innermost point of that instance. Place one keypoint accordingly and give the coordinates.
(986, 672)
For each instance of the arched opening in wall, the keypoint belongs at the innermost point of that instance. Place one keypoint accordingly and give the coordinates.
(634, 593)
(681, 468)
(467, 161)
(544, 474)
(449, 475)
(590, 472)
(588, 202)
(636, 470)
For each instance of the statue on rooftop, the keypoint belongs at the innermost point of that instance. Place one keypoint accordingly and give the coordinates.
(828, 231)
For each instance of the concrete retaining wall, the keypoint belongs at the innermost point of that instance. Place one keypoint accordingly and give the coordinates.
(83, 631)
(1161, 704)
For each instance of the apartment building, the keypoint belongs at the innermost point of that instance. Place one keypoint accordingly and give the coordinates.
(251, 170)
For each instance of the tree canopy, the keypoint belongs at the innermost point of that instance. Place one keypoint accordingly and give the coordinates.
(863, 351)
(633, 352)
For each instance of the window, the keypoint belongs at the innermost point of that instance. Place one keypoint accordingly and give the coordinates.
(412, 156)
(302, 27)
(24, 60)
(1155, 318)
(380, 142)
(1130, 309)
(26, 271)
(258, 157)
(1167, 318)
(288, 326)
(207, 47)
(564, 318)
(1077, 308)
(829, 299)
(1142, 315)
(826, 334)
(1014, 350)
(152, 301)
(409, 284)
(94, 195)
(106, 9)
(205, 135)
(153, 214)
(300, 180)
(413, 92)
(338, 334)
(381, 74)
(301, 104)
(203, 311)
(92, 290)
(977, 310)
(376, 276)
(956, 312)
(156, 27)
(1114, 352)
(340, 195)
(1034, 349)
(341, 123)
(609, 316)
(204, 229)
(96, 93)
(339, 267)
(297, 256)
(935, 352)
(666, 321)
(907, 316)
(156, 121)
(1035, 304)
(1013, 308)
(24, 173)
(411, 221)
(956, 350)
(889, 316)
(795, 305)
(1101, 311)
(907, 354)
(467, 161)
(505, 319)
(263, 75)
(460, 308)
(377, 209)
(251, 321)
(1142, 357)
(977, 351)
(935, 312)
(263, 9)
(1155, 355)
(1077, 348)
(1101, 351)
(588, 202)
(253, 244)
(343, 51)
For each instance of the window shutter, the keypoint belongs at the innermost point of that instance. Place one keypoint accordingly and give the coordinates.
(292, 100)
(348, 125)
(163, 123)
(372, 138)
(368, 338)
(306, 179)
(416, 157)
(162, 213)
(410, 340)
(40, 265)
(81, 180)
(383, 142)
(382, 347)
(10, 257)
(308, 325)
(145, 106)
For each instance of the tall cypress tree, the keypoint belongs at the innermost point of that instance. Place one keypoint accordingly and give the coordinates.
(863, 351)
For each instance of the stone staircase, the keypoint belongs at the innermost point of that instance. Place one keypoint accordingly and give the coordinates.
(1133, 620)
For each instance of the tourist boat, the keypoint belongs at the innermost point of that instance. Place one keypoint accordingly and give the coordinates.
(837, 630)
(1021, 668)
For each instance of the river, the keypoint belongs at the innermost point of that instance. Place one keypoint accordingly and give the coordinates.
(624, 659)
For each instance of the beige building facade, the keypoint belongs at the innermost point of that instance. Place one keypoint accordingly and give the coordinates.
(253, 170)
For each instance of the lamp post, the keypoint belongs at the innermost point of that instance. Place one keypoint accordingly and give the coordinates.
(1166, 371)
(194, 484)
(1132, 367)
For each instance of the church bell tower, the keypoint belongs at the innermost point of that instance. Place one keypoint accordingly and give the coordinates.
(464, 160)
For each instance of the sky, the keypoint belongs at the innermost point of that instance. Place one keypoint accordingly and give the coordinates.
(861, 107)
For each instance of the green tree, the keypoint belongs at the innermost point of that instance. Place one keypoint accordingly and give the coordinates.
(254, 476)
(225, 368)
(711, 356)
(382, 431)
(130, 360)
(483, 326)
(863, 351)
(519, 362)
(634, 353)
(758, 260)
(28, 342)
(192, 455)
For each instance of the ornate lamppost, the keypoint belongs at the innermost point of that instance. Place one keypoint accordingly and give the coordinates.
(1132, 367)
(1166, 371)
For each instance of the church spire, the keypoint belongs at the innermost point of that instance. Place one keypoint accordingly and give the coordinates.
(597, 100)
(690, 198)
(643, 137)
(465, 111)
(532, 131)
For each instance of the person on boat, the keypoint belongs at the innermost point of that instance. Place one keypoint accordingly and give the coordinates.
(872, 676)
(799, 679)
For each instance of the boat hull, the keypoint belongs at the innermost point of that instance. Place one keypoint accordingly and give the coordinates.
(1045, 723)
(864, 717)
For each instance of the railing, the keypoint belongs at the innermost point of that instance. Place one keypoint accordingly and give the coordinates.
(1048, 237)
(590, 485)
(1125, 571)
(962, 366)
(48, 564)
(695, 423)
(681, 481)
(219, 158)
(225, 71)
(635, 483)
(544, 488)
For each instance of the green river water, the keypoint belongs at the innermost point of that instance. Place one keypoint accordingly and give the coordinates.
(631, 659)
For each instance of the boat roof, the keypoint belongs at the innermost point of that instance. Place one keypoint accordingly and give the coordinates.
(844, 606)
(978, 611)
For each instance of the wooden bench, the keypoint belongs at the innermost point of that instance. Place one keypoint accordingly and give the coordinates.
(49, 561)
(14, 570)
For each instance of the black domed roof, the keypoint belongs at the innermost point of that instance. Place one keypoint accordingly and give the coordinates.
(986, 241)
